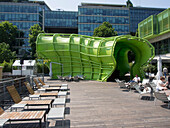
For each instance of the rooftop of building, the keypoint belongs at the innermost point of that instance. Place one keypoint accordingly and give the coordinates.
(101, 4)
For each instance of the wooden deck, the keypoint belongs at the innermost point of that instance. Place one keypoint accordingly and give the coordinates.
(92, 104)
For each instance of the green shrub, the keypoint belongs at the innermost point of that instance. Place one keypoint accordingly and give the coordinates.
(40, 68)
(7, 66)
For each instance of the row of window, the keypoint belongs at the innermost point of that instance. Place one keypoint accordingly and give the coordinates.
(24, 25)
(20, 8)
(100, 19)
(26, 33)
(135, 10)
(105, 12)
(91, 33)
(162, 47)
(137, 16)
(91, 27)
(60, 15)
(19, 17)
(61, 23)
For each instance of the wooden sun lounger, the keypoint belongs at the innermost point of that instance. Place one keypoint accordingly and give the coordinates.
(22, 116)
(17, 99)
(50, 85)
(31, 91)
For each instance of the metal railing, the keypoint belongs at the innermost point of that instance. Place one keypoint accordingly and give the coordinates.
(19, 85)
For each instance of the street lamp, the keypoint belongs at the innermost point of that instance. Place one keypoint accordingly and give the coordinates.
(30, 66)
(21, 62)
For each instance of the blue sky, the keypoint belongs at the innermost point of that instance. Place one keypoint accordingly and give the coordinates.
(72, 5)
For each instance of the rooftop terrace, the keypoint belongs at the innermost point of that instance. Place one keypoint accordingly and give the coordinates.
(104, 105)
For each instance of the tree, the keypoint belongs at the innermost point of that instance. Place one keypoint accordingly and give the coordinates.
(104, 30)
(129, 3)
(5, 53)
(149, 68)
(9, 34)
(34, 31)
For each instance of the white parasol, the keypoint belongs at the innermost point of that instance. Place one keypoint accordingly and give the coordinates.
(159, 68)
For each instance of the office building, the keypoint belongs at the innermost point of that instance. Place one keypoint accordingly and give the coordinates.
(61, 22)
(84, 21)
(23, 15)
(138, 14)
(92, 15)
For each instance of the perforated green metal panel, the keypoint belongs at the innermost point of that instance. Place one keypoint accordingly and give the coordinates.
(163, 20)
(94, 57)
(146, 27)
(155, 25)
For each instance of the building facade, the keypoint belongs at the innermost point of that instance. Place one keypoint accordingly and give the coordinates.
(156, 29)
(23, 15)
(91, 16)
(138, 14)
(61, 22)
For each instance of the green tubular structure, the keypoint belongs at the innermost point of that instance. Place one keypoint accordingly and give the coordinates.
(94, 57)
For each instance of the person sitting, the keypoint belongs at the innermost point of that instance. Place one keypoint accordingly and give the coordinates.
(136, 79)
(161, 85)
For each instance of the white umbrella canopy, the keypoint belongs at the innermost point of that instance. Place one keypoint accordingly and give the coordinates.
(159, 68)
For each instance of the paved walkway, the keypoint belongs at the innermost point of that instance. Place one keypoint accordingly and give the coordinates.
(104, 105)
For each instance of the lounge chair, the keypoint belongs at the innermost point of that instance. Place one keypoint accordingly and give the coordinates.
(60, 77)
(122, 84)
(21, 116)
(35, 95)
(153, 86)
(47, 88)
(81, 77)
(68, 78)
(145, 81)
(162, 97)
(117, 80)
(137, 87)
(17, 99)
(76, 78)
(50, 85)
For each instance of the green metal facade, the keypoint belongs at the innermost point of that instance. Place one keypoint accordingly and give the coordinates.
(155, 25)
(94, 57)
